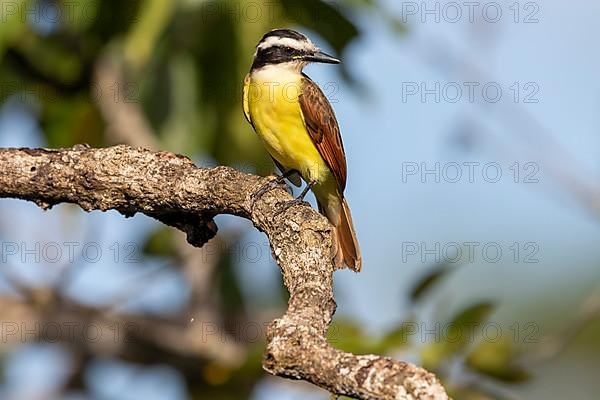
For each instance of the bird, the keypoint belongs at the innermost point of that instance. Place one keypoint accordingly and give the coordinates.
(297, 125)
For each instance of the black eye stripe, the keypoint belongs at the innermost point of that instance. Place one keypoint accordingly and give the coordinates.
(276, 54)
(280, 53)
(282, 49)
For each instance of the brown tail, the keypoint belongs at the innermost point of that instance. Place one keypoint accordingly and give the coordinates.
(346, 249)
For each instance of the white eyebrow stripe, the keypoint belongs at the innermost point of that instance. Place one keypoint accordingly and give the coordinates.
(274, 41)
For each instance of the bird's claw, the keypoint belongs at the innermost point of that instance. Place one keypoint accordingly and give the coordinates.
(267, 187)
(308, 187)
(284, 206)
(272, 184)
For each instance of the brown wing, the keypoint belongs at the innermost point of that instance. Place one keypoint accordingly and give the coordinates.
(323, 128)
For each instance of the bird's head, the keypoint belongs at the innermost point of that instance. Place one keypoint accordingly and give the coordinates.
(290, 48)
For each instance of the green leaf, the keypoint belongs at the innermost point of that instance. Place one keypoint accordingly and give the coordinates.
(152, 19)
(428, 281)
(456, 334)
(160, 243)
(473, 315)
(394, 339)
(472, 393)
(348, 336)
(496, 360)
(69, 120)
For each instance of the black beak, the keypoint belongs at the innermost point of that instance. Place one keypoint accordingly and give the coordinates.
(322, 57)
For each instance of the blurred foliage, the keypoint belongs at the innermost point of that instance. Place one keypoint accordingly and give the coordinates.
(497, 360)
(166, 74)
(428, 282)
(160, 243)
(453, 347)
(455, 334)
(178, 66)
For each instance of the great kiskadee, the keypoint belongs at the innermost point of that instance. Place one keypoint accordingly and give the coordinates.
(297, 125)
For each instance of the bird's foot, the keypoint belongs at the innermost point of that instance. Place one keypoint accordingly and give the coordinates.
(306, 189)
(280, 180)
(297, 201)
(267, 187)
(286, 205)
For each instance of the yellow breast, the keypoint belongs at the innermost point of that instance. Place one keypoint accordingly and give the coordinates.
(271, 100)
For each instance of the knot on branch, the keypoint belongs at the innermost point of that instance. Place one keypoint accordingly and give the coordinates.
(199, 229)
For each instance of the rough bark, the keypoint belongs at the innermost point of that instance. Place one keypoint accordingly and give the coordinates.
(173, 190)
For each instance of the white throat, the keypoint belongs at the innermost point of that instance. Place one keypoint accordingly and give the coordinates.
(280, 70)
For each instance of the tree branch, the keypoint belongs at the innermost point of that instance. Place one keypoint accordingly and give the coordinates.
(173, 190)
